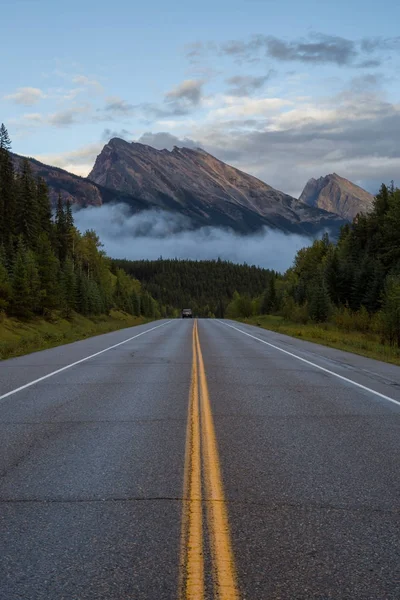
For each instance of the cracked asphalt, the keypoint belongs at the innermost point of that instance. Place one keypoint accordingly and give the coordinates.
(92, 462)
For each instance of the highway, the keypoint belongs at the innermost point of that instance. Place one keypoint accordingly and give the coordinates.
(199, 459)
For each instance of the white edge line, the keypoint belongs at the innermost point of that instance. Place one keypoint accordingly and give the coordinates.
(23, 387)
(308, 362)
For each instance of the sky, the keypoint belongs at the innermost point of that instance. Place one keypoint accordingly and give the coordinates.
(281, 89)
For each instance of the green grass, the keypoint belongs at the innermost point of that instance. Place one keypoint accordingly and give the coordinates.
(22, 337)
(327, 334)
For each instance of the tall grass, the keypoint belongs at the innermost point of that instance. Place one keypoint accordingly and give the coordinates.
(348, 335)
(22, 337)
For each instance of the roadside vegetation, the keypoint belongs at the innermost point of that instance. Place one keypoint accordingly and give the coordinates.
(56, 284)
(21, 337)
(345, 295)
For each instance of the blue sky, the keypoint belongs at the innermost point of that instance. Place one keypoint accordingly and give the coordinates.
(282, 89)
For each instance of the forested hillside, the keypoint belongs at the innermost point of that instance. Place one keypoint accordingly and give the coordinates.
(46, 265)
(206, 287)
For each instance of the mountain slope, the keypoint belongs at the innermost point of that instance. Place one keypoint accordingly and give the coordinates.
(208, 191)
(78, 190)
(337, 195)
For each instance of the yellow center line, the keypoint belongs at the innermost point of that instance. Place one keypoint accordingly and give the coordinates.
(200, 436)
(191, 584)
(225, 580)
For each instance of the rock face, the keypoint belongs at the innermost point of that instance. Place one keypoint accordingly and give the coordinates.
(208, 191)
(337, 195)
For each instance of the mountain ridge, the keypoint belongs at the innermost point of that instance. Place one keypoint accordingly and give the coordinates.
(204, 188)
(207, 191)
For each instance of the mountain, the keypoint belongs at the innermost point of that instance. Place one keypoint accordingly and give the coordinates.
(203, 188)
(337, 195)
(78, 190)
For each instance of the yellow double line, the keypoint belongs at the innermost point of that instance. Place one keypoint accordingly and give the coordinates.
(202, 451)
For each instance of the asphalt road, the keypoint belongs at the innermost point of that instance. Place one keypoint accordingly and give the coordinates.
(231, 463)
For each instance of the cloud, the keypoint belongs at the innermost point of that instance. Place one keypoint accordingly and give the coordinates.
(27, 96)
(164, 140)
(70, 116)
(353, 133)
(108, 134)
(85, 81)
(320, 49)
(246, 85)
(379, 43)
(118, 107)
(184, 97)
(151, 234)
(79, 161)
(316, 48)
(238, 106)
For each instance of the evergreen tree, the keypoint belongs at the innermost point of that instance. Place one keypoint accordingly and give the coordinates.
(61, 231)
(7, 197)
(68, 288)
(33, 279)
(5, 284)
(20, 285)
(5, 142)
(319, 303)
(49, 272)
(27, 214)
(44, 207)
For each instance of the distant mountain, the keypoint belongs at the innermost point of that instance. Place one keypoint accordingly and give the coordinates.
(208, 191)
(337, 195)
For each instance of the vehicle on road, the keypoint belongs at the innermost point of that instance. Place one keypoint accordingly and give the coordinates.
(187, 313)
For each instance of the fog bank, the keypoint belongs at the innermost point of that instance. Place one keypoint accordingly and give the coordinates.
(155, 234)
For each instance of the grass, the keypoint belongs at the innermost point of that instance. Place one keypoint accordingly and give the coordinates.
(22, 337)
(328, 334)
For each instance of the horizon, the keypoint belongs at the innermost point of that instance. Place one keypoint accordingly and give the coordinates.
(300, 97)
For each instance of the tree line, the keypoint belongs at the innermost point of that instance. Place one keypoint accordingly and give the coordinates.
(207, 286)
(46, 264)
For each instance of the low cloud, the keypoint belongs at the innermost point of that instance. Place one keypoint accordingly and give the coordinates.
(26, 96)
(151, 234)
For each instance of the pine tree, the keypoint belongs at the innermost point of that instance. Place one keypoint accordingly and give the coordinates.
(68, 288)
(61, 231)
(27, 213)
(20, 285)
(268, 303)
(5, 284)
(82, 305)
(33, 279)
(319, 303)
(49, 270)
(391, 311)
(44, 207)
(7, 196)
(5, 142)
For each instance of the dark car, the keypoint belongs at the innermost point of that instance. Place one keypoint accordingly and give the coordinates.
(187, 313)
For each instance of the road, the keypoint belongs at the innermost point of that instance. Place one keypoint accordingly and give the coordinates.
(199, 459)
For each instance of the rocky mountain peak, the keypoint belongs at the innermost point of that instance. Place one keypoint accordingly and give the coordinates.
(337, 195)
